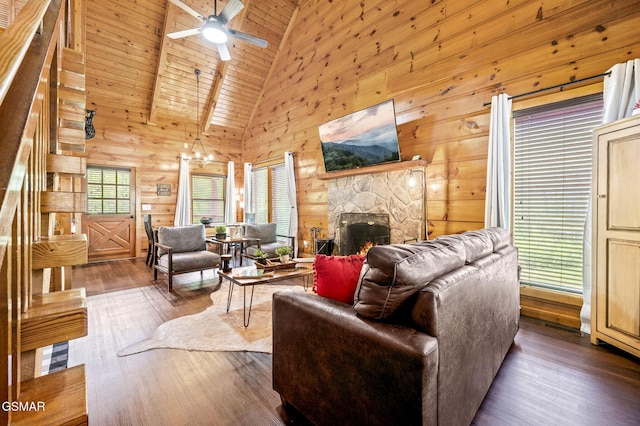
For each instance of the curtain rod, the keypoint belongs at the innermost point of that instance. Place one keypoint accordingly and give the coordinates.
(557, 86)
(212, 161)
(268, 160)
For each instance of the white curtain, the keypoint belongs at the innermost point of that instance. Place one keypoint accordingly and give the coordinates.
(621, 92)
(498, 192)
(248, 200)
(183, 205)
(291, 191)
(230, 204)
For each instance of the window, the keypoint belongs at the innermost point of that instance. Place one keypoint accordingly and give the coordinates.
(108, 190)
(270, 197)
(207, 197)
(552, 187)
(260, 194)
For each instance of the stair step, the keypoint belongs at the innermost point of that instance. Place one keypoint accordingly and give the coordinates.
(60, 250)
(53, 318)
(62, 397)
(63, 202)
(67, 164)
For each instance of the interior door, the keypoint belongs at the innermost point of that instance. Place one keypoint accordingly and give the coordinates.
(110, 237)
(110, 221)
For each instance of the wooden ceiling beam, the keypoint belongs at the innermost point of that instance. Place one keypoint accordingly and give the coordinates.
(169, 17)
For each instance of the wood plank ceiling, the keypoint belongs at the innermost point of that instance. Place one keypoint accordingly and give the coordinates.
(132, 65)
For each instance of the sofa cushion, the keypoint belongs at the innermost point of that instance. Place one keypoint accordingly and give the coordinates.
(269, 249)
(499, 237)
(336, 277)
(475, 246)
(191, 261)
(393, 273)
(266, 232)
(182, 238)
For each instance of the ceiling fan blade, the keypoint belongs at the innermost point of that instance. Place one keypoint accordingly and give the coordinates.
(231, 9)
(188, 9)
(248, 38)
(223, 51)
(184, 33)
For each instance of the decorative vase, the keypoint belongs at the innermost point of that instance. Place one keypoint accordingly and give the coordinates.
(221, 236)
(261, 260)
(285, 258)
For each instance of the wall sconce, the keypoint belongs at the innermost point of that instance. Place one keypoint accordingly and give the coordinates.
(411, 180)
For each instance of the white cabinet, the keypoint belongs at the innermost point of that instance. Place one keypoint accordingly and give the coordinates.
(615, 309)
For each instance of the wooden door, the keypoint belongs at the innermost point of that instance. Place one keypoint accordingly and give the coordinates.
(617, 236)
(110, 223)
(111, 237)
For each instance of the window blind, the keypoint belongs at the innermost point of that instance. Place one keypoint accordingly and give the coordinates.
(552, 186)
(207, 197)
(260, 194)
(270, 197)
(280, 207)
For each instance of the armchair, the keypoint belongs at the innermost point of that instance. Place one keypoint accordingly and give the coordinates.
(264, 237)
(182, 249)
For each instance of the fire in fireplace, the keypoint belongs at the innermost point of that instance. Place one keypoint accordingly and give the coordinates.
(359, 229)
(365, 248)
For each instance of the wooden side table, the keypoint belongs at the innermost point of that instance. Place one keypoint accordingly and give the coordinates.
(228, 242)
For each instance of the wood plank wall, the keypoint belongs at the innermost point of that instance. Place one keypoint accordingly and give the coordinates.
(440, 61)
(124, 136)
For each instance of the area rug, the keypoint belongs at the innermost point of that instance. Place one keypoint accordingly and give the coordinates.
(215, 329)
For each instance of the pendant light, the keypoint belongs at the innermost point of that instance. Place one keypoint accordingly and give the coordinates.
(194, 156)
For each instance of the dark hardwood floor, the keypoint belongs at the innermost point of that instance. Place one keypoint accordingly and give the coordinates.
(551, 376)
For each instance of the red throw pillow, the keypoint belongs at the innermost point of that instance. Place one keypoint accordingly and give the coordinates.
(336, 277)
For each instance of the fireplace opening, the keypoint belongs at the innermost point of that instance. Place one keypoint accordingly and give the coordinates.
(360, 229)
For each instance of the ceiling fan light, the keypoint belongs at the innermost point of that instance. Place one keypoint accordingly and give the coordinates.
(214, 33)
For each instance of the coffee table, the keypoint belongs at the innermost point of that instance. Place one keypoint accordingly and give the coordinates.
(235, 278)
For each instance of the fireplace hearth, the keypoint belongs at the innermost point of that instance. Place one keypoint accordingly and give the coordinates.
(359, 229)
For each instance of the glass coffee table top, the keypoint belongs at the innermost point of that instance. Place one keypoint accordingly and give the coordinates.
(252, 276)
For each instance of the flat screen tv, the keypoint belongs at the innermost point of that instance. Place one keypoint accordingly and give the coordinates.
(363, 138)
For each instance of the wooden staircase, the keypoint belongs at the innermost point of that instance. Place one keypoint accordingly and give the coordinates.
(42, 164)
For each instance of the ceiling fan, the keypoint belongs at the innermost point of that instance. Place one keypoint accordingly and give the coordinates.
(214, 28)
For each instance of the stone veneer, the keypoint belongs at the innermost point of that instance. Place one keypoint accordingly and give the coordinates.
(385, 192)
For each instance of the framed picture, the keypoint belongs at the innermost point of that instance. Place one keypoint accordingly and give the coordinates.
(360, 139)
(235, 231)
(163, 189)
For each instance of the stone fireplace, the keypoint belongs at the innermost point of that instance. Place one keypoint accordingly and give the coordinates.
(393, 199)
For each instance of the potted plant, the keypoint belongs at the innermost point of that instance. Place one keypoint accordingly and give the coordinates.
(221, 232)
(284, 252)
(260, 257)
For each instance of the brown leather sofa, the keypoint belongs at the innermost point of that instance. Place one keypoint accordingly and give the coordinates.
(429, 329)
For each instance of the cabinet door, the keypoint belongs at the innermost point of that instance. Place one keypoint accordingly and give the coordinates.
(617, 228)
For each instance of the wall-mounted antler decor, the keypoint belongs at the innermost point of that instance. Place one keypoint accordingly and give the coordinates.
(89, 130)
